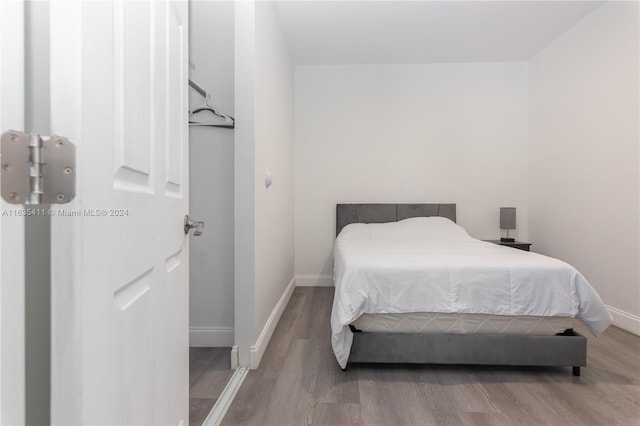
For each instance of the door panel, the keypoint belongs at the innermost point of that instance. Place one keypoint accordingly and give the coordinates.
(130, 274)
(133, 101)
(175, 154)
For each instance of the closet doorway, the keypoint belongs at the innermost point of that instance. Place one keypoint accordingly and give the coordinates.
(211, 159)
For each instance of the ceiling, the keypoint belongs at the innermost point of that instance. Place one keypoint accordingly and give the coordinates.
(392, 32)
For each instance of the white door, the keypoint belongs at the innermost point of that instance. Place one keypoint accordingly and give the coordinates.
(119, 73)
(12, 385)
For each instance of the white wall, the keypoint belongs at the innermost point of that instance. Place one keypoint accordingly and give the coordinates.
(212, 177)
(584, 181)
(274, 241)
(407, 133)
(264, 140)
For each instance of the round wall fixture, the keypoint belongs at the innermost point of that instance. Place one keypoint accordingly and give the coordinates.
(268, 178)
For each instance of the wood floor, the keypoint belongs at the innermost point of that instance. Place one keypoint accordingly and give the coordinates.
(300, 383)
(209, 372)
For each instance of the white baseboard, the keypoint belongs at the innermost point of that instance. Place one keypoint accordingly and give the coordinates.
(625, 320)
(211, 337)
(314, 281)
(256, 352)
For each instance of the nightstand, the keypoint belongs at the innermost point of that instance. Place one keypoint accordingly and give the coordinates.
(515, 244)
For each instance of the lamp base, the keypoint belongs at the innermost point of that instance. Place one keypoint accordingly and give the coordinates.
(507, 240)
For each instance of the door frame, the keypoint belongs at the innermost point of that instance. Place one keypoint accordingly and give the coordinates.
(12, 321)
(12, 237)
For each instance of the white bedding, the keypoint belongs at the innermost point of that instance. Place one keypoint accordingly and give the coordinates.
(433, 265)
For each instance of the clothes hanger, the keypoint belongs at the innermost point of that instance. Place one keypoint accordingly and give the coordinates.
(204, 108)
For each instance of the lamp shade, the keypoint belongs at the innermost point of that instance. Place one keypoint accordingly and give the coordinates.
(507, 218)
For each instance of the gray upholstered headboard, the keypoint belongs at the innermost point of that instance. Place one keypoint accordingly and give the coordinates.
(382, 213)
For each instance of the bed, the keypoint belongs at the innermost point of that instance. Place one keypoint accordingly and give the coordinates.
(413, 287)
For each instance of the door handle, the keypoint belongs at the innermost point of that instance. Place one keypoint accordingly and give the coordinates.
(193, 224)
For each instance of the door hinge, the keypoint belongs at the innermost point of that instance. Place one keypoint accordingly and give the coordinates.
(37, 169)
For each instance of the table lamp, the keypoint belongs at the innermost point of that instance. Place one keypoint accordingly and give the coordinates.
(507, 221)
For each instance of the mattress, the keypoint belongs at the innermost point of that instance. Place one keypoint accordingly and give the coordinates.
(462, 323)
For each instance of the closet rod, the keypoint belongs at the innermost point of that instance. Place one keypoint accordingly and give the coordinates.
(198, 88)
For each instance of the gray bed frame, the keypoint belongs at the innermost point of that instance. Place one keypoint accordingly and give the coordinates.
(568, 349)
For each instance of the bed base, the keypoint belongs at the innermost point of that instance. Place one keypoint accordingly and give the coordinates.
(568, 349)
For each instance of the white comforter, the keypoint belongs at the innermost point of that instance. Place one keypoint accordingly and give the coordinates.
(433, 265)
